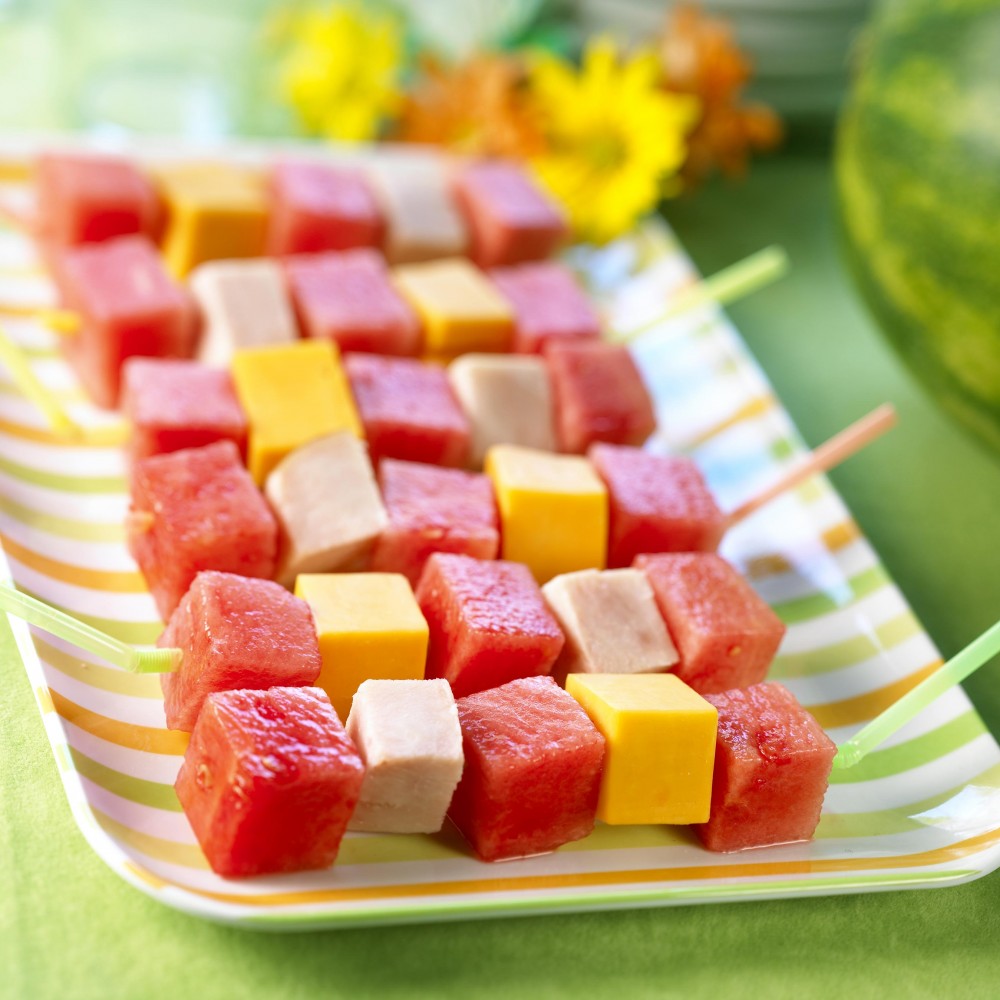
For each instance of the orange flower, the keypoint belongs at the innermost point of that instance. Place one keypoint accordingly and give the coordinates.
(477, 107)
(701, 57)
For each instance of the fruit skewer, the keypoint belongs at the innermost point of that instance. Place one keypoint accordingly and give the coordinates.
(621, 709)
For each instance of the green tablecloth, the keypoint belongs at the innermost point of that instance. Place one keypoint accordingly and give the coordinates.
(69, 928)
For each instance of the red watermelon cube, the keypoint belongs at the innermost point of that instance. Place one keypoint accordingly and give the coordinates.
(533, 763)
(725, 633)
(548, 305)
(409, 410)
(89, 198)
(489, 623)
(236, 632)
(599, 394)
(656, 503)
(510, 219)
(269, 781)
(315, 207)
(128, 305)
(772, 766)
(175, 404)
(348, 298)
(194, 510)
(433, 510)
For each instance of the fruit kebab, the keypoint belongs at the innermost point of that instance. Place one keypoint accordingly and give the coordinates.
(271, 780)
(325, 512)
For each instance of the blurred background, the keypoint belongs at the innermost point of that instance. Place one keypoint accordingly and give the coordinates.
(210, 69)
(619, 107)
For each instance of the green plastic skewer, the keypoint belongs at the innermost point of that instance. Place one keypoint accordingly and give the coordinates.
(32, 386)
(138, 661)
(725, 286)
(960, 666)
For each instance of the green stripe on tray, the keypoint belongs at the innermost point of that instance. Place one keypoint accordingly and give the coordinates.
(64, 527)
(803, 609)
(834, 826)
(96, 676)
(57, 481)
(887, 636)
(782, 449)
(134, 633)
(147, 793)
(40, 351)
(914, 753)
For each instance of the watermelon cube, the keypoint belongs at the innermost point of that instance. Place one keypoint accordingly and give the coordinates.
(127, 305)
(433, 510)
(244, 303)
(725, 633)
(772, 766)
(315, 207)
(600, 395)
(348, 298)
(510, 219)
(173, 405)
(408, 410)
(657, 503)
(235, 632)
(195, 510)
(532, 777)
(89, 198)
(269, 781)
(548, 305)
(488, 621)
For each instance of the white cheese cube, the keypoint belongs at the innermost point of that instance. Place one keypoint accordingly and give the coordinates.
(244, 304)
(508, 400)
(611, 622)
(408, 735)
(328, 505)
(422, 219)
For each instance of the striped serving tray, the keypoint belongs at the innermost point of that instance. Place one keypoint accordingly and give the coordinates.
(923, 810)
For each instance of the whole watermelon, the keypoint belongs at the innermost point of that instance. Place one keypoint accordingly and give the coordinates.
(918, 174)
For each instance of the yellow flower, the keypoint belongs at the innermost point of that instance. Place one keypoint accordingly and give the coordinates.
(341, 70)
(614, 139)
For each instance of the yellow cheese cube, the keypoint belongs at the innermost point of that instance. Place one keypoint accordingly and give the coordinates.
(292, 394)
(553, 510)
(660, 746)
(216, 211)
(458, 306)
(369, 627)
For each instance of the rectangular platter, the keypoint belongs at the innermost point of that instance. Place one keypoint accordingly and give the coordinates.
(924, 810)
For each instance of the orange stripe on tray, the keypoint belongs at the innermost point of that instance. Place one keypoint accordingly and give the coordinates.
(834, 539)
(109, 436)
(754, 408)
(125, 734)
(119, 582)
(148, 877)
(528, 883)
(866, 706)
